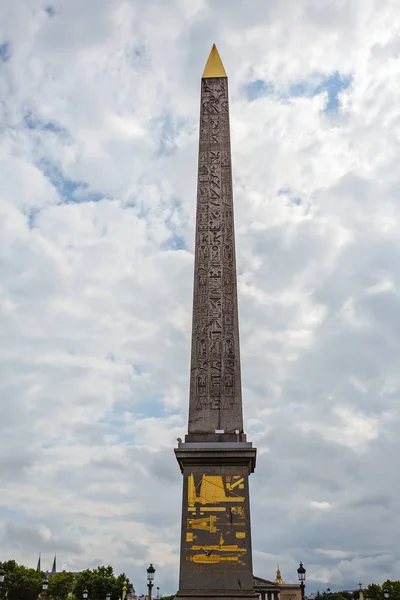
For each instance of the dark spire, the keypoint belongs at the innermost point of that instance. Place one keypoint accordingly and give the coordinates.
(39, 567)
(54, 567)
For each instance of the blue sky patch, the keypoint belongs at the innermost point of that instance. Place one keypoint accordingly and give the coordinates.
(5, 52)
(258, 88)
(31, 217)
(76, 192)
(32, 122)
(176, 241)
(166, 128)
(290, 196)
(71, 192)
(332, 84)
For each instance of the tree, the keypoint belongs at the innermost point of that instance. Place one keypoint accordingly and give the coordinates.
(60, 585)
(98, 582)
(20, 582)
(375, 592)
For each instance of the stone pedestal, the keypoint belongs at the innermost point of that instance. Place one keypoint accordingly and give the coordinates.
(216, 559)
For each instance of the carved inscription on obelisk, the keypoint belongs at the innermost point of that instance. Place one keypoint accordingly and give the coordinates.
(215, 386)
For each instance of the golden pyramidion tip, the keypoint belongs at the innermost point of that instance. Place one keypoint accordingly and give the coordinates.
(214, 66)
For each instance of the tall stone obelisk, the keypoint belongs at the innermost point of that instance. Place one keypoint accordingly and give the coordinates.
(215, 459)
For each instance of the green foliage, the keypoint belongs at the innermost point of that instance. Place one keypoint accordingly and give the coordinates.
(20, 582)
(98, 582)
(168, 597)
(375, 592)
(60, 585)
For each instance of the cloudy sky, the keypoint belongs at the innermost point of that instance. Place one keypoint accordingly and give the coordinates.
(98, 155)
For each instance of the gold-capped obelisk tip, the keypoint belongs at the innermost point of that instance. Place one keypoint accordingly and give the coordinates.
(214, 67)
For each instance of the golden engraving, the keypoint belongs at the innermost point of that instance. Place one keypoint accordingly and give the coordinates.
(238, 510)
(230, 548)
(213, 559)
(215, 494)
(212, 491)
(206, 524)
(191, 490)
(232, 486)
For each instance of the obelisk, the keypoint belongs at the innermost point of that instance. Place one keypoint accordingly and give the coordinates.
(215, 459)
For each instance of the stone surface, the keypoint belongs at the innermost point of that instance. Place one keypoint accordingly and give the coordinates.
(215, 384)
(215, 459)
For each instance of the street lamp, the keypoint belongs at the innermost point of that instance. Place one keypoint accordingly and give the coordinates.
(158, 593)
(301, 572)
(45, 585)
(150, 577)
(85, 594)
(368, 597)
(2, 573)
(108, 596)
(386, 594)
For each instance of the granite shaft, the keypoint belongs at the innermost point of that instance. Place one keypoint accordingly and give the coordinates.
(215, 382)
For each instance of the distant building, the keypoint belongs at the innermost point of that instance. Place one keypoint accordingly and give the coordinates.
(53, 568)
(278, 578)
(277, 589)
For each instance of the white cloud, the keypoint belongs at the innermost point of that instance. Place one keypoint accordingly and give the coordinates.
(98, 160)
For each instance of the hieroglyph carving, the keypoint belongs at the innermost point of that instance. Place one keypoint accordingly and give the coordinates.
(215, 373)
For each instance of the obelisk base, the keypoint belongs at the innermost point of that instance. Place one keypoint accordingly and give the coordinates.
(216, 561)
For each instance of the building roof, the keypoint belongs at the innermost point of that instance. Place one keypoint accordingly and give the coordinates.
(260, 582)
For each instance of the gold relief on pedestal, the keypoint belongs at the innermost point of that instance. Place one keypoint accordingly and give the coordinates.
(215, 529)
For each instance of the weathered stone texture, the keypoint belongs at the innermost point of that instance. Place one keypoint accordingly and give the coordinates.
(215, 384)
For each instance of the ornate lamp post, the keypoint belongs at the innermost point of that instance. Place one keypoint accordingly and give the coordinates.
(85, 594)
(45, 585)
(108, 596)
(301, 572)
(150, 577)
(386, 594)
(2, 573)
(158, 593)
